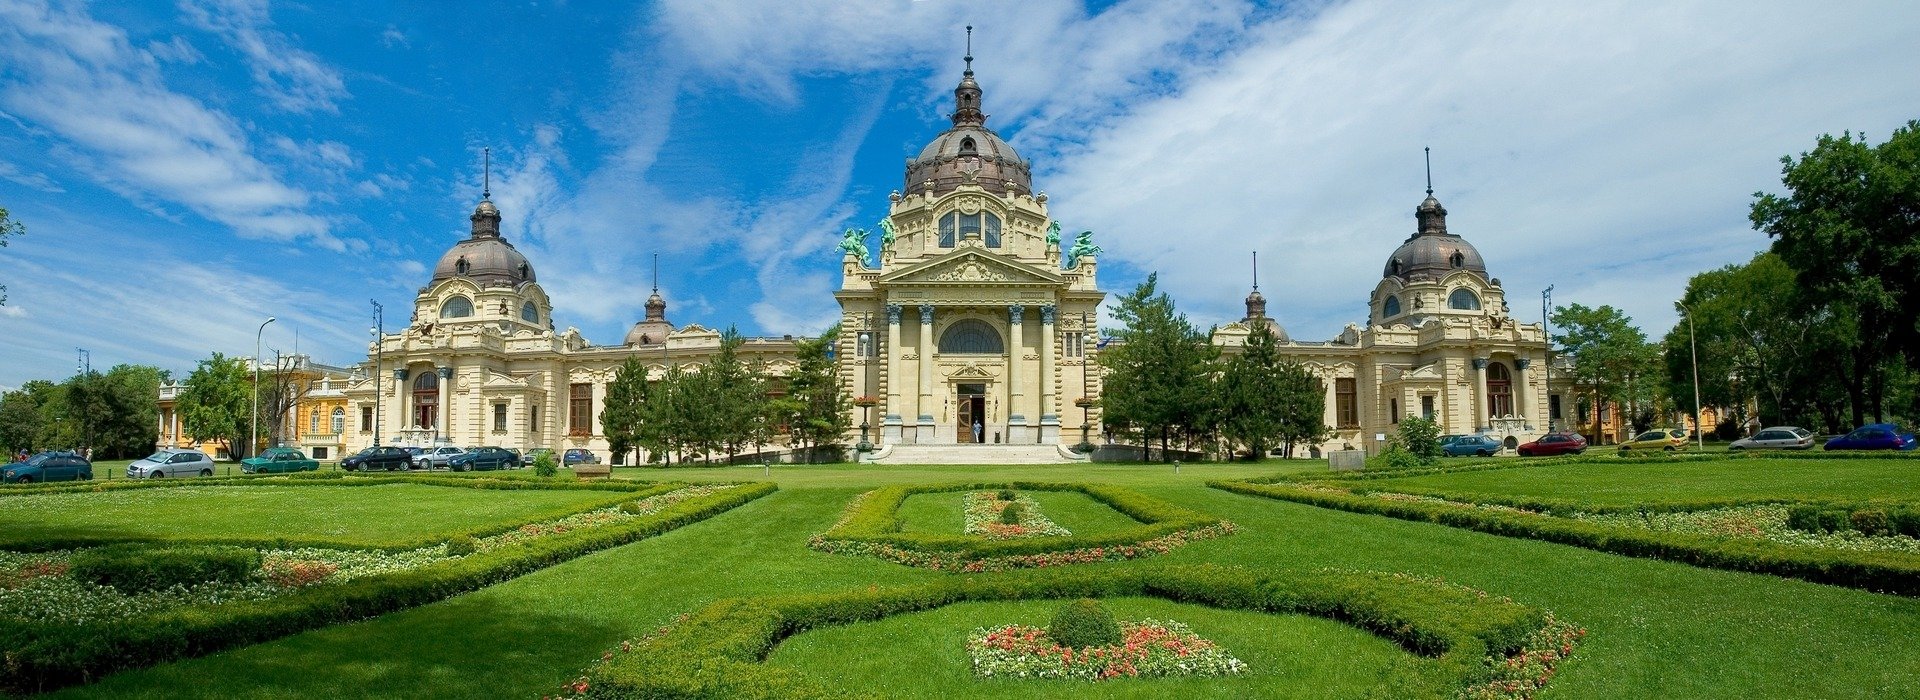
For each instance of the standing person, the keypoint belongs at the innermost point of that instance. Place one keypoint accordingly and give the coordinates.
(978, 431)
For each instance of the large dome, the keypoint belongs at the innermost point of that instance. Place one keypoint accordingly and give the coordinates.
(1433, 252)
(968, 153)
(485, 257)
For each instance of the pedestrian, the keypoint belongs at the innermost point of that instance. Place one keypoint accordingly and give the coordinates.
(978, 432)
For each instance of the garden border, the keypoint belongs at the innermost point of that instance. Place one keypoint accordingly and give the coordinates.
(63, 655)
(870, 526)
(719, 651)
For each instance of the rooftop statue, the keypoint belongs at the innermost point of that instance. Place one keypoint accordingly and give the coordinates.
(1082, 245)
(854, 241)
(886, 233)
(1053, 235)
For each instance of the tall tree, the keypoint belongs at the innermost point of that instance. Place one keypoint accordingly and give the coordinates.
(738, 395)
(1849, 225)
(128, 425)
(1303, 406)
(624, 413)
(8, 229)
(1158, 369)
(1608, 352)
(217, 402)
(281, 390)
(21, 423)
(815, 394)
(1253, 395)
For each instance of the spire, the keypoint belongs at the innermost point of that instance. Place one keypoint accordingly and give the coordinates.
(1429, 151)
(1432, 216)
(1256, 302)
(966, 97)
(1256, 270)
(656, 273)
(969, 59)
(656, 305)
(486, 187)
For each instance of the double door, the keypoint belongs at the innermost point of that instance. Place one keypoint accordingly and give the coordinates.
(970, 424)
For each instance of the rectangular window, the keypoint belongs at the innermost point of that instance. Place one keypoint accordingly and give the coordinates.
(1553, 407)
(865, 345)
(1426, 407)
(366, 419)
(499, 418)
(313, 420)
(1347, 408)
(319, 453)
(1395, 410)
(993, 231)
(1073, 345)
(946, 230)
(533, 419)
(580, 409)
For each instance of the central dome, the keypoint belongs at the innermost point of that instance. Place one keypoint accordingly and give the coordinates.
(968, 153)
(1433, 252)
(485, 257)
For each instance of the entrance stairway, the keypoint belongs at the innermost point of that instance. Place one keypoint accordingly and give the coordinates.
(972, 454)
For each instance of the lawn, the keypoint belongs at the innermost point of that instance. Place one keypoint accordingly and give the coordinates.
(369, 515)
(1599, 482)
(1656, 629)
(940, 513)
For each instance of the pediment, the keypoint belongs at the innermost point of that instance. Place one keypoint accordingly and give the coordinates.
(972, 266)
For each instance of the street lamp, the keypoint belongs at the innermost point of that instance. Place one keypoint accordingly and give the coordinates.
(1086, 388)
(1546, 337)
(254, 438)
(379, 331)
(1699, 438)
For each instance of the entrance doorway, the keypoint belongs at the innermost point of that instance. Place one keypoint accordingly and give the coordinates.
(973, 409)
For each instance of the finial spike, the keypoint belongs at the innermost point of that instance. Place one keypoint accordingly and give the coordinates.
(1429, 150)
(656, 273)
(1256, 270)
(486, 189)
(969, 50)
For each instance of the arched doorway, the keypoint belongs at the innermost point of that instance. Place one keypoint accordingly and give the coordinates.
(1499, 391)
(426, 399)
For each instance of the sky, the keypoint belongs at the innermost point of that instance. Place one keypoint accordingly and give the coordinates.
(187, 170)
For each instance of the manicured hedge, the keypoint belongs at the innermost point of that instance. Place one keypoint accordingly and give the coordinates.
(719, 651)
(1885, 572)
(874, 519)
(42, 657)
(40, 542)
(137, 569)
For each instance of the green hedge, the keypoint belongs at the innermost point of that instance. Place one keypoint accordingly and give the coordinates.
(42, 657)
(1865, 518)
(137, 569)
(875, 519)
(718, 652)
(1885, 572)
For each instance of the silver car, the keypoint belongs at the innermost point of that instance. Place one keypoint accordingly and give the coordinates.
(437, 457)
(1785, 437)
(171, 462)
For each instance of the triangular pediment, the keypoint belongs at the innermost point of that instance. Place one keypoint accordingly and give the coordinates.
(972, 266)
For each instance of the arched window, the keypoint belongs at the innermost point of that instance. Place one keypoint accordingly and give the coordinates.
(460, 266)
(1458, 259)
(426, 398)
(524, 270)
(457, 307)
(1499, 390)
(1395, 266)
(339, 420)
(955, 226)
(529, 313)
(1463, 298)
(967, 147)
(313, 422)
(1391, 308)
(971, 337)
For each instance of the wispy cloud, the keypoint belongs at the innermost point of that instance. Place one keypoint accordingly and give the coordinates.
(35, 179)
(292, 79)
(392, 37)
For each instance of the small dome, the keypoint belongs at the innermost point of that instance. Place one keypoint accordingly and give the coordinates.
(1433, 252)
(654, 328)
(485, 257)
(1257, 315)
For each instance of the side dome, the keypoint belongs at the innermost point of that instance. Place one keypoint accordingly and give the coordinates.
(484, 257)
(654, 328)
(1257, 315)
(1433, 252)
(968, 153)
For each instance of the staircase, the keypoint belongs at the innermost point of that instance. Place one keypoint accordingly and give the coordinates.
(973, 454)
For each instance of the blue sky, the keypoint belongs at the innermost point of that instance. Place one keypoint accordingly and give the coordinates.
(188, 169)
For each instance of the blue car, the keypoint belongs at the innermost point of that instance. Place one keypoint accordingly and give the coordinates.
(484, 459)
(1874, 436)
(48, 466)
(1476, 445)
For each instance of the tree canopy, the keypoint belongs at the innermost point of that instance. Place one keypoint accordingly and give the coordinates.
(1160, 371)
(1612, 359)
(217, 402)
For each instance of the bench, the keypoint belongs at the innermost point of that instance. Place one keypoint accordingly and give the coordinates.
(600, 470)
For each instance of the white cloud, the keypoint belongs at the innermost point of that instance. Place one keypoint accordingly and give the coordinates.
(82, 81)
(13, 311)
(292, 79)
(392, 37)
(36, 179)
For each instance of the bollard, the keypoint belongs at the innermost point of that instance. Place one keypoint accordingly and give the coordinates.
(1176, 466)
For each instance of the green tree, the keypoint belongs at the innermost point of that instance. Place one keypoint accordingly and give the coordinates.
(21, 423)
(815, 394)
(1303, 406)
(738, 396)
(1419, 436)
(626, 407)
(1759, 342)
(1159, 370)
(1253, 398)
(8, 229)
(1849, 225)
(217, 402)
(1611, 357)
(126, 419)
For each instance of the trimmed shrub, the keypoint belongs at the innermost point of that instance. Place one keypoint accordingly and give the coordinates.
(1084, 623)
(132, 568)
(461, 545)
(1869, 521)
(1006, 494)
(1010, 515)
(544, 465)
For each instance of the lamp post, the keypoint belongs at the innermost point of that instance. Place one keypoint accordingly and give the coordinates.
(1086, 388)
(84, 367)
(379, 349)
(253, 439)
(1546, 333)
(1699, 436)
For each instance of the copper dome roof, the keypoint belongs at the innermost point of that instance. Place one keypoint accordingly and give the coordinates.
(968, 153)
(1432, 252)
(654, 328)
(485, 257)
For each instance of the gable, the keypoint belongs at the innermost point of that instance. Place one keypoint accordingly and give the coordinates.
(972, 267)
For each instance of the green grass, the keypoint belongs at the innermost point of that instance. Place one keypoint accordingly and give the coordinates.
(942, 514)
(1290, 656)
(934, 513)
(1657, 629)
(371, 515)
(1624, 484)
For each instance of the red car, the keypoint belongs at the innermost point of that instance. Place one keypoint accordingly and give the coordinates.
(1554, 444)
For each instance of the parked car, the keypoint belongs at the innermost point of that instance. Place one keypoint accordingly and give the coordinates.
(48, 466)
(1668, 439)
(1476, 445)
(534, 454)
(278, 460)
(484, 459)
(1785, 437)
(1873, 436)
(171, 462)
(1554, 444)
(579, 456)
(436, 457)
(374, 458)
(1448, 439)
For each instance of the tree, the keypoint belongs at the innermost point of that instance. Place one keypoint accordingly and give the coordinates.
(815, 394)
(1608, 352)
(626, 407)
(1253, 396)
(737, 396)
(127, 424)
(217, 402)
(21, 423)
(1158, 370)
(1303, 401)
(1849, 226)
(8, 229)
(1759, 343)
(281, 389)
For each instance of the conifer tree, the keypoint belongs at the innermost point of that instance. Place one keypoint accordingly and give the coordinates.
(624, 413)
(1159, 371)
(1252, 399)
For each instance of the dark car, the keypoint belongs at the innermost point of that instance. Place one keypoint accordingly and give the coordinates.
(376, 458)
(277, 460)
(579, 456)
(484, 459)
(1476, 445)
(1554, 444)
(48, 466)
(1873, 436)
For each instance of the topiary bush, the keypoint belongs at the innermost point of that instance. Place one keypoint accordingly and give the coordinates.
(544, 465)
(1084, 623)
(1010, 515)
(1006, 494)
(461, 545)
(134, 568)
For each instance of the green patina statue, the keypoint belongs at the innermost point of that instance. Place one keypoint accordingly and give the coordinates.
(1053, 235)
(886, 234)
(1082, 245)
(855, 241)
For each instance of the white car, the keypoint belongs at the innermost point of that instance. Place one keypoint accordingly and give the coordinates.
(1785, 437)
(171, 462)
(436, 457)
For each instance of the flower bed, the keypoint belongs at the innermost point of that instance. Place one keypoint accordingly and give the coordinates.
(1150, 648)
(983, 510)
(871, 527)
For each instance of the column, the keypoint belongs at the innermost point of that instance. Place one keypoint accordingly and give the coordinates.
(890, 423)
(446, 400)
(396, 404)
(1049, 421)
(927, 346)
(1522, 390)
(1480, 394)
(1016, 366)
